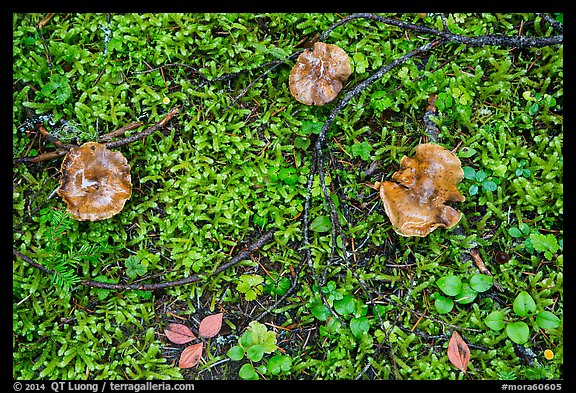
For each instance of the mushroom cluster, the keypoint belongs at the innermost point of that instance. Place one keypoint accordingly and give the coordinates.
(415, 201)
(95, 182)
(318, 74)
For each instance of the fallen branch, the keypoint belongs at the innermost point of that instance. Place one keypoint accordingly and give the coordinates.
(244, 254)
(65, 147)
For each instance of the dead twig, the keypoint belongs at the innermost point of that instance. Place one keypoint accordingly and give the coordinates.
(244, 254)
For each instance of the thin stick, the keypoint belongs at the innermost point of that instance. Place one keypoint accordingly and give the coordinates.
(245, 254)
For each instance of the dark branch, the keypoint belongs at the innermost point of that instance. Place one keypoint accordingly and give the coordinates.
(244, 254)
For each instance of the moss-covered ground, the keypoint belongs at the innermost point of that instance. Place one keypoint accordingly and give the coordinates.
(234, 163)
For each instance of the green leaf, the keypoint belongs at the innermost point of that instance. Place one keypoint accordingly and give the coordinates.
(134, 268)
(533, 109)
(278, 364)
(489, 185)
(247, 372)
(321, 224)
(57, 90)
(277, 285)
(321, 312)
(518, 332)
(255, 352)
(246, 339)
(467, 152)
(443, 304)
(480, 176)
(473, 190)
(469, 173)
(359, 326)
(288, 176)
(515, 232)
(236, 352)
(481, 282)
(345, 306)
(360, 63)
(301, 143)
(466, 295)
(543, 243)
(524, 304)
(547, 321)
(309, 127)
(450, 285)
(261, 336)
(362, 150)
(495, 320)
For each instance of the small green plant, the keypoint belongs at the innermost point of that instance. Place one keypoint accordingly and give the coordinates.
(253, 344)
(250, 285)
(362, 150)
(480, 180)
(537, 100)
(58, 255)
(457, 291)
(276, 285)
(525, 309)
(536, 241)
(522, 170)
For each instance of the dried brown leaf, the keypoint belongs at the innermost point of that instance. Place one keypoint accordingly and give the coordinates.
(210, 326)
(179, 334)
(458, 352)
(190, 356)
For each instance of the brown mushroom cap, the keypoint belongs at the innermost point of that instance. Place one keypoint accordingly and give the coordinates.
(95, 182)
(415, 201)
(317, 76)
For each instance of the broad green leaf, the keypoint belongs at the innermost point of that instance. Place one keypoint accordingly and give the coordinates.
(466, 295)
(359, 326)
(481, 282)
(469, 173)
(547, 321)
(247, 372)
(467, 152)
(544, 243)
(495, 320)
(321, 312)
(261, 336)
(524, 304)
(321, 224)
(515, 232)
(360, 63)
(345, 306)
(255, 352)
(236, 352)
(489, 185)
(450, 285)
(278, 364)
(518, 332)
(443, 304)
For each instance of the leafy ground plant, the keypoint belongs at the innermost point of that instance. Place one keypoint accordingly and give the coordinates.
(459, 291)
(525, 309)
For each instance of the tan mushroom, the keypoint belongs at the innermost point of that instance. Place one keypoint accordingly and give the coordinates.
(415, 201)
(95, 182)
(317, 76)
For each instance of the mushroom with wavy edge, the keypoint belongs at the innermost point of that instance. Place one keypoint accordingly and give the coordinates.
(415, 201)
(317, 76)
(95, 182)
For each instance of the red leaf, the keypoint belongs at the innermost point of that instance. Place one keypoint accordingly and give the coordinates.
(458, 352)
(190, 356)
(210, 326)
(179, 334)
